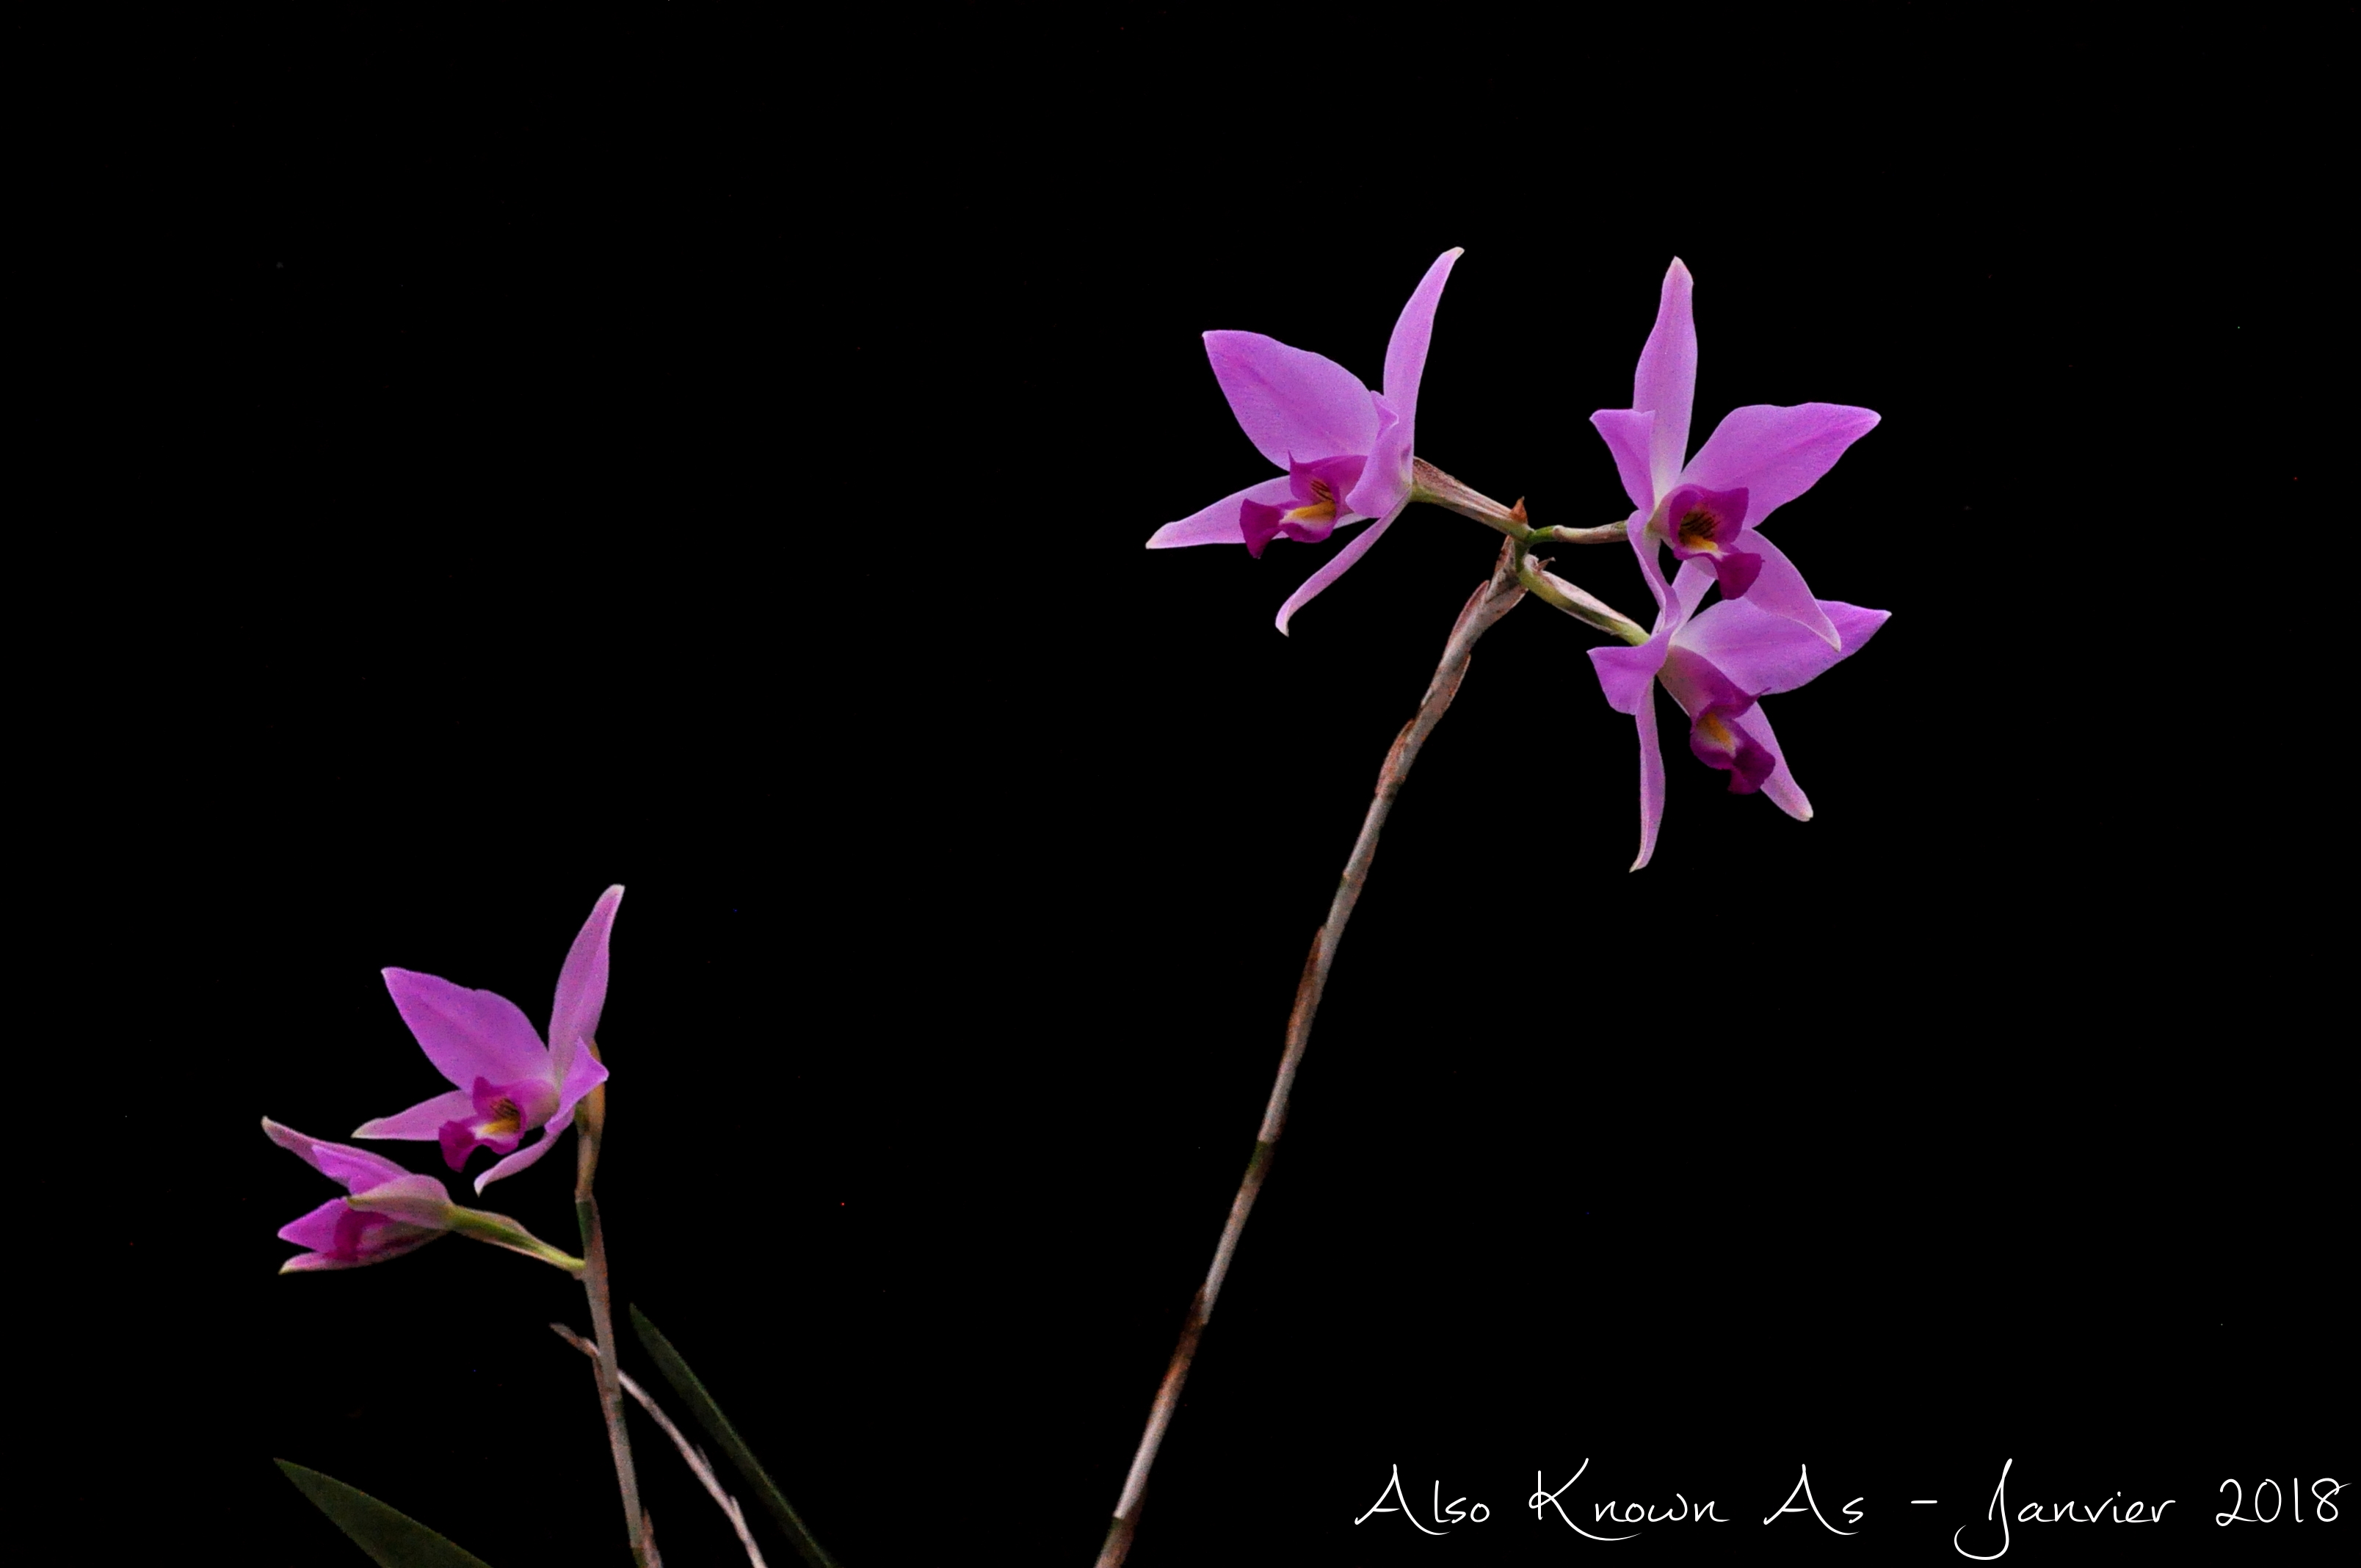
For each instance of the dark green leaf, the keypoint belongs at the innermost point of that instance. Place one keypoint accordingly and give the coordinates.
(716, 1427)
(392, 1540)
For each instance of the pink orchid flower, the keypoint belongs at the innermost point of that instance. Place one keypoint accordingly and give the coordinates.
(509, 1082)
(1346, 450)
(406, 1212)
(1712, 508)
(1718, 665)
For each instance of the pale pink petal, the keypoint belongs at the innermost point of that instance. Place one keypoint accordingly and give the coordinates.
(1761, 652)
(1388, 479)
(1338, 565)
(1218, 523)
(1781, 785)
(587, 1074)
(468, 1035)
(415, 1199)
(316, 1230)
(1780, 588)
(1652, 780)
(582, 985)
(360, 1168)
(1628, 433)
(1385, 478)
(531, 1153)
(424, 1120)
(1293, 405)
(1665, 381)
(1775, 453)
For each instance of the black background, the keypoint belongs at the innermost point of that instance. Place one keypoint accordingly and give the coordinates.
(719, 465)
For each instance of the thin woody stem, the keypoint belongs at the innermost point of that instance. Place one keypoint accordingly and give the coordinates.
(701, 1466)
(590, 1125)
(1493, 600)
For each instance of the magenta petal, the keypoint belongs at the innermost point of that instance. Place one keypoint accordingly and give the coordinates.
(316, 1230)
(467, 1034)
(1338, 565)
(1218, 523)
(1627, 432)
(581, 985)
(531, 1153)
(1628, 675)
(1388, 480)
(360, 1168)
(1776, 453)
(424, 1120)
(1779, 588)
(1781, 785)
(1291, 402)
(1384, 480)
(1762, 652)
(1665, 380)
(1651, 781)
(413, 1199)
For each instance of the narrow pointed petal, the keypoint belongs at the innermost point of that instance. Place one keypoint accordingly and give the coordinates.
(360, 1169)
(531, 1153)
(1775, 453)
(1293, 405)
(1218, 523)
(316, 1230)
(467, 1034)
(1666, 379)
(587, 1074)
(424, 1120)
(1761, 652)
(1338, 565)
(1780, 588)
(1385, 478)
(1781, 785)
(582, 985)
(1652, 780)
(1627, 432)
(1406, 350)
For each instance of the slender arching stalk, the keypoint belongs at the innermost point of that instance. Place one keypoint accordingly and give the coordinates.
(1493, 600)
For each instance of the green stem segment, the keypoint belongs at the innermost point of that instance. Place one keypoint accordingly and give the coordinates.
(590, 1126)
(1493, 600)
(503, 1232)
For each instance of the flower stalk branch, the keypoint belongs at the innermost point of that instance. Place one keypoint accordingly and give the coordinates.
(1493, 600)
(690, 1453)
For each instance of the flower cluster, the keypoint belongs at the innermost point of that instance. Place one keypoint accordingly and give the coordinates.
(508, 1083)
(1348, 457)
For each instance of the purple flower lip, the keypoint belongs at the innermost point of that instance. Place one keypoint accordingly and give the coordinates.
(507, 1082)
(1311, 416)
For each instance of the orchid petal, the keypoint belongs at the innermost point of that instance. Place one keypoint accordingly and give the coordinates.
(1627, 676)
(1762, 652)
(1781, 785)
(338, 1162)
(581, 986)
(424, 1120)
(1665, 380)
(413, 1200)
(467, 1034)
(1218, 523)
(1627, 432)
(587, 1074)
(1780, 588)
(531, 1153)
(1293, 405)
(1775, 453)
(1338, 565)
(1406, 349)
(316, 1230)
(1385, 478)
(1652, 779)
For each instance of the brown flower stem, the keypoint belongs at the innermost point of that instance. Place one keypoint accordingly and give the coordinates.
(1493, 600)
(590, 1125)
